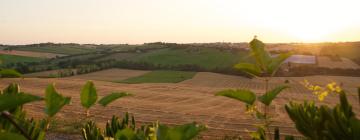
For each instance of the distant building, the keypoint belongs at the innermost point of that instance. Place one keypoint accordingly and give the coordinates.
(301, 59)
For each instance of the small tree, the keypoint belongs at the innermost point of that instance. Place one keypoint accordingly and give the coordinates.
(264, 68)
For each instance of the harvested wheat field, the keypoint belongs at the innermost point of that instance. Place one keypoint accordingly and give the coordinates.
(208, 79)
(31, 54)
(345, 63)
(173, 103)
(112, 75)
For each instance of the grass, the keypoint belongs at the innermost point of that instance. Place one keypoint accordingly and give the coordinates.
(67, 50)
(208, 58)
(161, 77)
(7, 59)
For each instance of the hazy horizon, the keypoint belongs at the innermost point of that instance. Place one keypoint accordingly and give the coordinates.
(185, 21)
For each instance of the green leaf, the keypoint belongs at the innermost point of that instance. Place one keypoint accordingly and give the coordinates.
(11, 136)
(261, 56)
(112, 97)
(11, 101)
(271, 95)
(182, 132)
(243, 95)
(54, 101)
(12, 89)
(88, 95)
(248, 68)
(126, 134)
(276, 62)
(9, 73)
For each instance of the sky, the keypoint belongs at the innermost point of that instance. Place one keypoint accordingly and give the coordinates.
(179, 21)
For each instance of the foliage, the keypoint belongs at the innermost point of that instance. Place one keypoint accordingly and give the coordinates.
(246, 96)
(16, 114)
(54, 101)
(91, 132)
(88, 95)
(11, 98)
(11, 136)
(126, 130)
(265, 67)
(9, 73)
(111, 97)
(182, 132)
(113, 126)
(271, 95)
(161, 77)
(322, 122)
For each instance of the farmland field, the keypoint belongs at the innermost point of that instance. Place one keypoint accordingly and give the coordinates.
(345, 63)
(66, 50)
(112, 75)
(205, 57)
(160, 77)
(179, 103)
(31, 54)
(208, 58)
(7, 59)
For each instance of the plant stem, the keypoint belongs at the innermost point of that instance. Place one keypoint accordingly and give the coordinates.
(87, 112)
(48, 120)
(7, 115)
(267, 124)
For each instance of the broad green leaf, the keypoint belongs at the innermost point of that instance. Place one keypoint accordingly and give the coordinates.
(243, 95)
(88, 95)
(355, 125)
(182, 132)
(13, 88)
(248, 68)
(11, 136)
(9, 73)
(126, 134)
(276, 62)
(261, 56)
(54, 101)
(271, 95)
(112, 97)
(11, 101)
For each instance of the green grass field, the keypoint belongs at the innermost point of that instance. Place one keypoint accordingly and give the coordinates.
(7, 59)
(208, 58)
(161, 77)
(67, 50)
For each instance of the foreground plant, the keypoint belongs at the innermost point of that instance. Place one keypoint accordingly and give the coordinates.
(13, 121)
(323, 122)
(264, 68)
(125, 129)
(88, 97)
(54, 101)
